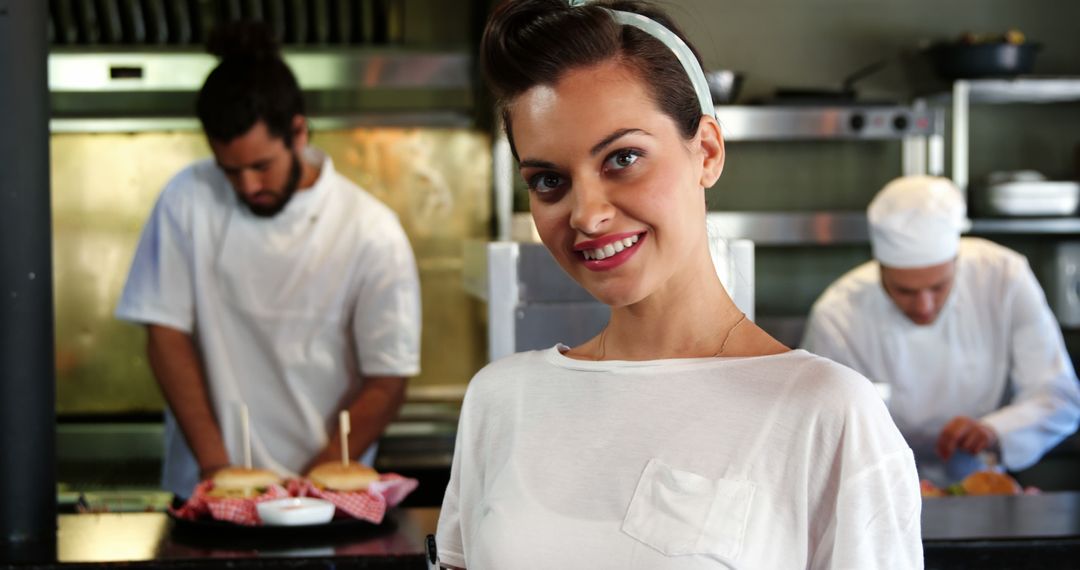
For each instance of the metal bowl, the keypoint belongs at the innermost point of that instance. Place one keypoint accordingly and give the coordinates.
(724, 84)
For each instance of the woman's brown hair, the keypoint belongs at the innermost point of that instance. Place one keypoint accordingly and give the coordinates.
(535, 42)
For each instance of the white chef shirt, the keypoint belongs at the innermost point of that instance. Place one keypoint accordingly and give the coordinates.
(785, 461)
(995, 342)
(287, 312)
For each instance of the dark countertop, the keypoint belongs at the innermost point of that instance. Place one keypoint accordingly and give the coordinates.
(1050, 515)
(1036, 531)
(154, 540)
(1030, 531)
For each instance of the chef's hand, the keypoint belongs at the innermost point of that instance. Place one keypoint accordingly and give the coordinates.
(966, 434)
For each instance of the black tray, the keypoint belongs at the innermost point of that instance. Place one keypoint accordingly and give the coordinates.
(208, 531)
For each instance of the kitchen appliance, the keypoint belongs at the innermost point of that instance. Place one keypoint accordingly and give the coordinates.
(1064, 295)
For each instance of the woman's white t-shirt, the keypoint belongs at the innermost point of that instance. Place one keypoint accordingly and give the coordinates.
(785, 461)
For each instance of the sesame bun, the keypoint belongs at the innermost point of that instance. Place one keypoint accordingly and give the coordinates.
(990, 483)
(334, 476)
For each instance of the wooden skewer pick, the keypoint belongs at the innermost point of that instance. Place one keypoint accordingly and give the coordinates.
(343, 424)
(245, 433)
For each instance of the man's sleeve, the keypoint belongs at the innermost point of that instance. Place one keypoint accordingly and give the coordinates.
(159, 285)
(386, 323)
(1046, 398)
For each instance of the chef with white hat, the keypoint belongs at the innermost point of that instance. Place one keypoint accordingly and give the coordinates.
(959, 330)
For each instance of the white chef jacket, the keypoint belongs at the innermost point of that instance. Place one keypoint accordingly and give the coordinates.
(287, 312)
(784, 461)
(995, 353)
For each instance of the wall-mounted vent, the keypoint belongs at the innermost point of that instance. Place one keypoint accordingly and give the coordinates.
(127, 23)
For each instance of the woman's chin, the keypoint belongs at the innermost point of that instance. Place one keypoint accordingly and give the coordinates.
(611, 296)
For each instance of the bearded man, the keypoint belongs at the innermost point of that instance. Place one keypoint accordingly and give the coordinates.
(267, 279)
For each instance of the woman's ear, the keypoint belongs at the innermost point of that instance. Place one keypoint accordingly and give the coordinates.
(712, 149)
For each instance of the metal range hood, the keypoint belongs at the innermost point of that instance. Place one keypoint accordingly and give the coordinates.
(137, 64)
(135, 91)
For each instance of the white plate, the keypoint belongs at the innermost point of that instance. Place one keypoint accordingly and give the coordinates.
(295, 511)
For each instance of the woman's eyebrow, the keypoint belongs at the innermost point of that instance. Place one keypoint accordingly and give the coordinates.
(595, 150)
(533, 163)
(599, 147)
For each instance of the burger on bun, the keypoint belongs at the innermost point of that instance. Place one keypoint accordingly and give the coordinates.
(990, 483)
(241, 482)
(335, 476)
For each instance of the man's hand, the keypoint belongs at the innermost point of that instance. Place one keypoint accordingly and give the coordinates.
(376, 405)
(966, 434)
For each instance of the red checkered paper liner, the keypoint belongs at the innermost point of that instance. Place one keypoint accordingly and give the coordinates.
(369, 505)
(229, 509)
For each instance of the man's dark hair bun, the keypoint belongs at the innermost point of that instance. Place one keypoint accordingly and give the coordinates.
(243, 39)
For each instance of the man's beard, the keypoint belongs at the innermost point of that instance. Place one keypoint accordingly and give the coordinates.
(282, 198)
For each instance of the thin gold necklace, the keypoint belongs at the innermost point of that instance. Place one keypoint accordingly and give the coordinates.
(723, 345)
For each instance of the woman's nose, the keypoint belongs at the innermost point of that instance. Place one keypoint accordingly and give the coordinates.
(592, 211)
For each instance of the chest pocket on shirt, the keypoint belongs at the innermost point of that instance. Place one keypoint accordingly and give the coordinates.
(679, 512)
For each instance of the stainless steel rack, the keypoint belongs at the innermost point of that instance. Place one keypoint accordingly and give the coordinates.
(998, 91)
(856, 122)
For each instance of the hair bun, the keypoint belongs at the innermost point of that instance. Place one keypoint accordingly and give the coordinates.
(243, 39)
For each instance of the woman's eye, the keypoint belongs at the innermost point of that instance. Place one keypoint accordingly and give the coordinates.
(545, 182)
(623, 158)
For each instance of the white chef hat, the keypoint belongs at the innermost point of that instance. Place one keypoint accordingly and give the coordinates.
(916, 221)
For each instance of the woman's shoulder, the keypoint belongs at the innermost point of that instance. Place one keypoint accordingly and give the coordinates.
(506, 371)
(831, 385)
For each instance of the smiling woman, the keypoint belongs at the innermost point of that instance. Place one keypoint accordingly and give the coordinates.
(682, 435)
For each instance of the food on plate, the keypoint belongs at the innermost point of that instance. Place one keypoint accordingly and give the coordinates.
(985, 482)
(931, 490)
(990, 483)
(242, 482)
(335, 476)
(1011, 36)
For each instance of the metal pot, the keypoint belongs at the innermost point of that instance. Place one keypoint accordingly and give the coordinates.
(971, 61)
(724, 84)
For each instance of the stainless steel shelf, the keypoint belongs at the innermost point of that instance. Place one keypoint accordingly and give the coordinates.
(1057, 226)
(315, 70)
(855, 122)
(1020, 90)
(850, 227)
(793, 228)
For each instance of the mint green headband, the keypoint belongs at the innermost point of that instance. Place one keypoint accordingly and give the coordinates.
(674, 43)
